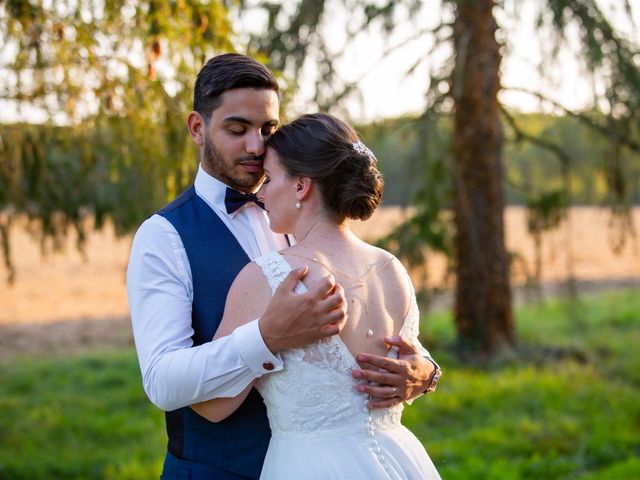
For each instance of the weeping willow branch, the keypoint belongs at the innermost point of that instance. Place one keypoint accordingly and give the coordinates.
(625, 140)
(92, 67)
(353, 86)
(521, 135)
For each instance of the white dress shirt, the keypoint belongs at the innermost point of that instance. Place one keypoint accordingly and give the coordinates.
(159, 285)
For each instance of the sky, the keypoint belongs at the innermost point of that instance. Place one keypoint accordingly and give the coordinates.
(387, 91)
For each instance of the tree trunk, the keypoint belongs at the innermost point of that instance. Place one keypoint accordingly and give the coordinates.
(483, 314)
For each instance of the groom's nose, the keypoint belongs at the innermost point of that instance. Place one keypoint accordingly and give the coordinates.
(255, 143)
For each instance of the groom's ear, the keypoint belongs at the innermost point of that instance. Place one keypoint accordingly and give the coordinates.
(303, 187)
(196, 126)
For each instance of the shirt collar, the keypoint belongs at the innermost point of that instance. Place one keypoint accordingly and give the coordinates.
(213, 191)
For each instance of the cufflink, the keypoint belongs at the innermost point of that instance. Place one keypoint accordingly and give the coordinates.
(267, 366)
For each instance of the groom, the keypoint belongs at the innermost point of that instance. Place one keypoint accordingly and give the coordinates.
(183, 261)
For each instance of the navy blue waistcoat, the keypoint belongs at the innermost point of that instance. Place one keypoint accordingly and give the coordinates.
(239, 443)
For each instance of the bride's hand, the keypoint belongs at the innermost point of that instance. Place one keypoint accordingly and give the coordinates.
(398, 379)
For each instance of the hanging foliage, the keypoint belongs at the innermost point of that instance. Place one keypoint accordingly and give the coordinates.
(105, 87)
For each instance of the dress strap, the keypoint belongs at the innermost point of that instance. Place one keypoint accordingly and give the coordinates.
(411, 323)
(275, 269)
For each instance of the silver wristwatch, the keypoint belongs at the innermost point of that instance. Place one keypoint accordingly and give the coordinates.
(435, 378)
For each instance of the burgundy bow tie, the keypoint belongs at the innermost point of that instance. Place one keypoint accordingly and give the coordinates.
(234, 199)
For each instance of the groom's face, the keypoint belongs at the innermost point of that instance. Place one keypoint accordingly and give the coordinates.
(233, 146)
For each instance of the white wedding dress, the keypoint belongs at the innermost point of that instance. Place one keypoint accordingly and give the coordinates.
(321, 428)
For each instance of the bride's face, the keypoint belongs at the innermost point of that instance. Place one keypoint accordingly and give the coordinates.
(278, 192)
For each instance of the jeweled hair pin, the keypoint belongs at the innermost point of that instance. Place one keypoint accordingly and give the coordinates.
(360, 147)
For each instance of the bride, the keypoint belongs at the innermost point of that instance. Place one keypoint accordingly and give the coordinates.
(318, 175)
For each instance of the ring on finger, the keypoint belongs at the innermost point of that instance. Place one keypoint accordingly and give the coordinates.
(394, 390)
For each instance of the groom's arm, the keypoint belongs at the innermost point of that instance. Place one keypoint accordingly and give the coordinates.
(174, 372)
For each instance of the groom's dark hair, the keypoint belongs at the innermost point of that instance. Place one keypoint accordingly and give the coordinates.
(228, 71)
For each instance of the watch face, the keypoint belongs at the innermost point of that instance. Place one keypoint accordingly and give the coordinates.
(434, 380)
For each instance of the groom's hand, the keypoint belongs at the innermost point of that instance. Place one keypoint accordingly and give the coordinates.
(293, 320)
(394, 380)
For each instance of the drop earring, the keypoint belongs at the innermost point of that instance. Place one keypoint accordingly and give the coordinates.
(298, 188)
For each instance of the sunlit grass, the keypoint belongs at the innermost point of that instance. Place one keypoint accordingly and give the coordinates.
(78, 418)
(567, 407)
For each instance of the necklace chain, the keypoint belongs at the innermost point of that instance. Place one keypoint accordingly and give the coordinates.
(359, 282)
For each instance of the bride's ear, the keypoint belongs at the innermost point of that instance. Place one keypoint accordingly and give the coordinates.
(303, 187)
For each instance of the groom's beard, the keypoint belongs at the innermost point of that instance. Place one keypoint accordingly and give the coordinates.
(224, 171)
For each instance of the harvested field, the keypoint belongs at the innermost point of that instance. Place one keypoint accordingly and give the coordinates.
(62, 300)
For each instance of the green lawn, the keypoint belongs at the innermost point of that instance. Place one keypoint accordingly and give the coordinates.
(568, 407)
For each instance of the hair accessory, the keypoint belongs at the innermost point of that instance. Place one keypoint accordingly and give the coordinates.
(298, 205)
(360, 147)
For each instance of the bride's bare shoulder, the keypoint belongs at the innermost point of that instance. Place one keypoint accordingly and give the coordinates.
(247, 299)
(387, 261)
(396, 283)
(252, 281)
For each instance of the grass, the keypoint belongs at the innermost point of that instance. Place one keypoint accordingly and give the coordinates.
(567, 408)
(84, 417)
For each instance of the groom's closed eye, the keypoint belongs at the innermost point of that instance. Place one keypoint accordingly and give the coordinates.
(269, 130)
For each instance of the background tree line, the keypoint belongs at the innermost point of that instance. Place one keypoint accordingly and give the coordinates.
(528, 168)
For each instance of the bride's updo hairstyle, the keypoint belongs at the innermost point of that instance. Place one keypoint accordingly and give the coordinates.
(327, 150)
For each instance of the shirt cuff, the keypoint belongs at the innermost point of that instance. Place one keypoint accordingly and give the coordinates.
(249, 343)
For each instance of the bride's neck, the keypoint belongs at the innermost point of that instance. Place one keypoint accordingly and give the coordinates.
(323, 231)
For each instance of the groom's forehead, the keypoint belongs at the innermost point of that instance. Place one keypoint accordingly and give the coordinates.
(249, 103)
(237, 96)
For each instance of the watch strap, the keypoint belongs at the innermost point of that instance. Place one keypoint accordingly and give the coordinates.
(435, 378)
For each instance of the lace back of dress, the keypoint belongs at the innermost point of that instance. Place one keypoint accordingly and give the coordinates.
(314, 377)
(327, 353)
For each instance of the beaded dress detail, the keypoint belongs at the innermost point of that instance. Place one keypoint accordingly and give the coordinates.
(320, 425)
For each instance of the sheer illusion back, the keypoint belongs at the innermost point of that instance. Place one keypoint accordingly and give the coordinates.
(319, 375)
